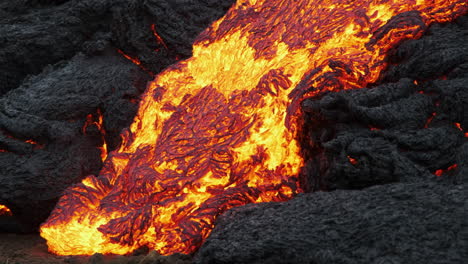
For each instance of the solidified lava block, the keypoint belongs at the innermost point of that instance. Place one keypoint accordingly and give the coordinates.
(30, 41)
(36, 33)
(21, 6)
(398, 223)
(406, 129)
(45, 143)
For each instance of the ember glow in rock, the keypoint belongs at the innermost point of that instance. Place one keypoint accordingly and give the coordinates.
(219, 130)
(4, 210)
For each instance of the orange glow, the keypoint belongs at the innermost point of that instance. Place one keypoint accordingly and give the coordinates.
(429, 120)
(158, 38)
(439, 173)
(29, 141)
(352, 160)
(219, 129)
(128, 57)
(136, 61)
(103, 136)
(5, 210)
(36, 144)
(98, 122)
(458, 125)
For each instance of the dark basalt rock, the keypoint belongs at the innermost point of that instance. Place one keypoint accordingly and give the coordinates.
(23, 6)
(51, 109)
(398, 223)
(36, 33)
(30, 41)
(442, 51)
(152, 258)
(402, 130)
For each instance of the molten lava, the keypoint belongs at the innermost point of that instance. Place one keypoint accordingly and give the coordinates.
(5, 210)
(219, 130)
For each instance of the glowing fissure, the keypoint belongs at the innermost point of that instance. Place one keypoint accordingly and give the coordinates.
(98, 122)
(219, 130)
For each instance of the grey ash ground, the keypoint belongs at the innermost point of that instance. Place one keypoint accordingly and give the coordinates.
(371, 153)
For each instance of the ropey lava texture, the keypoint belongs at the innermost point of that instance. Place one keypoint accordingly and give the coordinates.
(60, 69)
(387, 136)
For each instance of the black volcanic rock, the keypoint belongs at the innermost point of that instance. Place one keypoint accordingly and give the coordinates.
(30, 41)
(36, 33)
(374, 136)
(404, 129)
(441, 51)
(398, 223)
(24, 6)
(51, 109)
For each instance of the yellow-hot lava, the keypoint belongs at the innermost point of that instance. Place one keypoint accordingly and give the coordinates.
(219, 129)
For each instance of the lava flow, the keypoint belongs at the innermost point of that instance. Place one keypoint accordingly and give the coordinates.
(219, 129)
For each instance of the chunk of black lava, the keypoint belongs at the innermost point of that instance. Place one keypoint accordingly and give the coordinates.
(409, 128)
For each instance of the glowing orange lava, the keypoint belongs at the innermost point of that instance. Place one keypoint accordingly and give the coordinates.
(5, 210)
(219, 130)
